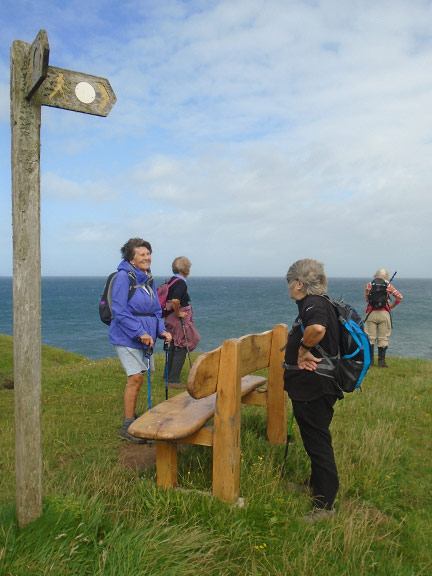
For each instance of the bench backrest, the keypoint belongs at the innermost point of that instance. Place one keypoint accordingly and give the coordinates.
(254, 351)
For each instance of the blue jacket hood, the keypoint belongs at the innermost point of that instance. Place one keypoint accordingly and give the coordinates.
(141, 276)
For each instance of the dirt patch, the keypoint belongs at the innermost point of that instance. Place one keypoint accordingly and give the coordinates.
(7, 383)
(137, 456)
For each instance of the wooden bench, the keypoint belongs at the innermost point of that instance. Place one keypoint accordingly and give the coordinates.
(219, 381)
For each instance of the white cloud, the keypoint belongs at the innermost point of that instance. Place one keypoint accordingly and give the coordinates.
(246, 134)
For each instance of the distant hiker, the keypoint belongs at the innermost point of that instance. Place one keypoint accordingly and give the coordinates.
(179, 321)
(378, 325)
(312, 394)
(137, 322)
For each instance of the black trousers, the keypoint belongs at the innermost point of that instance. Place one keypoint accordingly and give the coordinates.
(314, 419)
(176, 359)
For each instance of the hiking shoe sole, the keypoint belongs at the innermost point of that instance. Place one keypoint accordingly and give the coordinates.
(318, 515)
(124, 435)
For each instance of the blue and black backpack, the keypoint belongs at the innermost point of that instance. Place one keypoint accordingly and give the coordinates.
(351, 364)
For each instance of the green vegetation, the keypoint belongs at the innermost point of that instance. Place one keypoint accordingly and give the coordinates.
(103, 514)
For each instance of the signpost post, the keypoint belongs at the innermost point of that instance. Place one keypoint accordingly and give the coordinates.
(34, 84)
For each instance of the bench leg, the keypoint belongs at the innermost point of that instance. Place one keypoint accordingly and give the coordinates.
(276, 415)
(226, 440)
(276, 395)
(226, 465)
(166, 464)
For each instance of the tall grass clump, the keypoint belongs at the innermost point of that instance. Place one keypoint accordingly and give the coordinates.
(104, 515)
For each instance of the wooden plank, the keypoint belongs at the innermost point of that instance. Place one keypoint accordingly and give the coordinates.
(204, 437)
(226, 443)
(255, 352)
(276, 395)
(175, 418)
(202, 379)
(166, 464)
(256, 398)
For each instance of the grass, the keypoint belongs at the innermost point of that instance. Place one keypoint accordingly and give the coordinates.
(102, 518)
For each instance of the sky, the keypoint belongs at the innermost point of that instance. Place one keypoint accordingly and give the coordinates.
(247, 134)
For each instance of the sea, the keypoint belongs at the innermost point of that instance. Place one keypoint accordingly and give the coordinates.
(224, 307)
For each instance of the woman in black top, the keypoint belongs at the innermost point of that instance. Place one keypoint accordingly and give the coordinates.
(179, 321)
(313, 393)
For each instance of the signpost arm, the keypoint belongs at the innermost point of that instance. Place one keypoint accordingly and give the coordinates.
(25, 150)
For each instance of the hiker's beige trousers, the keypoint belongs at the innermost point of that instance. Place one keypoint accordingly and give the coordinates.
(378, 327)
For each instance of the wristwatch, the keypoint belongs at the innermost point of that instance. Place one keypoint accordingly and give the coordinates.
(304, 346)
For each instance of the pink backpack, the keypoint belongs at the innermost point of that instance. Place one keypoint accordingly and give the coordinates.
(162, 292)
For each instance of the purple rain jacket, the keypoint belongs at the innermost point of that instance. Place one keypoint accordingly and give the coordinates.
(126, 327)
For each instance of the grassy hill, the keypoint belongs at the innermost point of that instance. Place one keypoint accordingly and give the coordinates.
(103, 514)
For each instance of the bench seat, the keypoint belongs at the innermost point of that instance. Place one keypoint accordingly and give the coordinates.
(182, 415)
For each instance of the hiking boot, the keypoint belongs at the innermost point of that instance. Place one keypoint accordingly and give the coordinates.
(381, 357)
(124, 434)
(318, 515)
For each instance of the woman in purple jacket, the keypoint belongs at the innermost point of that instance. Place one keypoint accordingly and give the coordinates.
(136, 324)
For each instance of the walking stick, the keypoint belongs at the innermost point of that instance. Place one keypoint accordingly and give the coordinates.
(166, 369)
(290, 425)
(148, 356)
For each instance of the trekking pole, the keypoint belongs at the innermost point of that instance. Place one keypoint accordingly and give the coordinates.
(186, 340)
(290, 425)
(148, 356)
(166, 345)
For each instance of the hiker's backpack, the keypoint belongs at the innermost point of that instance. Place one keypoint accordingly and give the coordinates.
(162, 292)
(105, 312)
(377, 296)
(354, 358)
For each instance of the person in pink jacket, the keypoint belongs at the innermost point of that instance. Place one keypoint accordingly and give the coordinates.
(179, 321)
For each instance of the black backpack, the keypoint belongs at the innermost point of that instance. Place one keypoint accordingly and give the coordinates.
(105, 312)
(377, 296)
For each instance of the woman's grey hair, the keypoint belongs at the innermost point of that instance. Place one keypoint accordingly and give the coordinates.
(128, 249)
(181, 265)
(311, 273)
(382, 274)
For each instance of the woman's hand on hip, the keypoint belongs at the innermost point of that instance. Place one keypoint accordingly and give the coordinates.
(307, 361)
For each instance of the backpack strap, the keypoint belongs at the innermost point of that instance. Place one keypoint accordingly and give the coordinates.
(147, 286)
(132, 283)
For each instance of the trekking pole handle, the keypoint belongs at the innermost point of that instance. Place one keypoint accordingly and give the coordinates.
(165, 346)
(393, 276)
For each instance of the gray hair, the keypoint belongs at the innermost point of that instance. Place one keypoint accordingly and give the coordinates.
(181, 265)
(311, 273)
(382, 274)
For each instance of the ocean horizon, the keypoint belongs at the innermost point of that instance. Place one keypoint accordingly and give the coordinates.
(224, 307)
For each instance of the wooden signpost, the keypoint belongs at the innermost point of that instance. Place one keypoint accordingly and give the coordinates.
(34, 84)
